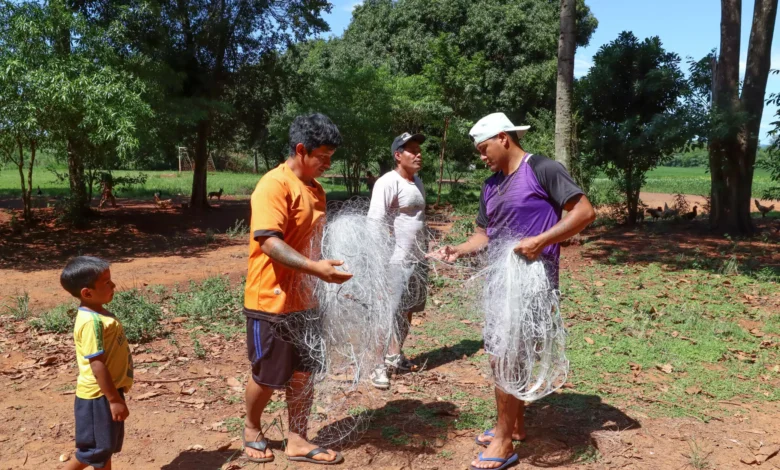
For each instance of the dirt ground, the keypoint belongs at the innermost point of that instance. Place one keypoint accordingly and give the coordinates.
(184, 409)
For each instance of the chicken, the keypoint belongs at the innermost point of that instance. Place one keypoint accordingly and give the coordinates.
(763, 209)
(669, 213)
(691, 215)
(161, 202)
(655, 213)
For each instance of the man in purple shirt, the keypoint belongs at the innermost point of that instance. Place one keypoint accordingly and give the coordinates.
(523, 199)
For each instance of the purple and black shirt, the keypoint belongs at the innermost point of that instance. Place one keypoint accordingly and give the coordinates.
(527, 203)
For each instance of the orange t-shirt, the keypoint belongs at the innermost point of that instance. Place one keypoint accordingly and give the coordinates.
(283, 206)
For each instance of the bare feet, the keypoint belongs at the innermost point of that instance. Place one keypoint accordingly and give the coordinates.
(255, 435)
(297, 446)
(484, 438)
(496, 449)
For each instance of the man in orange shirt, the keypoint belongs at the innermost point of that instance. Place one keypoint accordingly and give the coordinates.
(288, 213)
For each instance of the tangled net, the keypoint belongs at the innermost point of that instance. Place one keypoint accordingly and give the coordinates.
(524, 332)
(346, 338)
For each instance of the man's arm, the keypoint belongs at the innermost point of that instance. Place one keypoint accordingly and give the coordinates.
(476, 243)
(580, 215)
(284, 254)
(119, 411)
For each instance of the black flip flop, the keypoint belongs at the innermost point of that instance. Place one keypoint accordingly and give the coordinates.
(319, 450)
(259, 446)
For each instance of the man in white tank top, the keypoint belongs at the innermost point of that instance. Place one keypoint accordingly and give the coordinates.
(398, 201)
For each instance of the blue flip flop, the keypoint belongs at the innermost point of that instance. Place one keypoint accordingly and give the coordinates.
(505, 463)
(487, 433)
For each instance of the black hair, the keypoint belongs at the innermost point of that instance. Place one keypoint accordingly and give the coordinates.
(81, 272)
(313, 131)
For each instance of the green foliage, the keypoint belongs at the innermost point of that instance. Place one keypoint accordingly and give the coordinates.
(213, 304)
(57, 320)
(19, 309)
(633, 119)
(139, 316)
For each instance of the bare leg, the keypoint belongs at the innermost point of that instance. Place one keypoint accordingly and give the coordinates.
(257, 397)
(518, 434)
(299, 401)
(74, 464)
(501, 446)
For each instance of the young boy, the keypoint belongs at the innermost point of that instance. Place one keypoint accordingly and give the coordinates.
(105, 365)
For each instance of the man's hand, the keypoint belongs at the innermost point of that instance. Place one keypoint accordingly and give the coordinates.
(326, 270)
(119, 411)
(446, 253)
(530, 248)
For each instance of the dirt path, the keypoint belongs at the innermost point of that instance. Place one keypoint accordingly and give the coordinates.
(44, 289)
(658, 200)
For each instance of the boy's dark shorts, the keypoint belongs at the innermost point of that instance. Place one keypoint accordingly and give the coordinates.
(98, 436)
(273, 351)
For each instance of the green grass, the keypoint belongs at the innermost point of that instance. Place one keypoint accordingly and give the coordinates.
(171, 183)
(57, 320)
(213, 304)
(139, 315)
(19, 307)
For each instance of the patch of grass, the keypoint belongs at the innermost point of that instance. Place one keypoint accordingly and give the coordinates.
(239, 229)
(197, 348)
(586, 454)
(234, 399)
(477, 414)
(19, 308)
(234, 425)
(273, 406)
(57, 320)
(643, 317)
(697, 458)
(395, 436)
(139, 316)
(429, 417)
(446, 454)
(214, 304)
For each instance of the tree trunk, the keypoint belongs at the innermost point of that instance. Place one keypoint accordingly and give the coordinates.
(20, 164)
(563, 104)
(28, 196)
(726, 103)
(199, 199)
(79, 202)
(752, 101)
(732, 159)
(441, 158)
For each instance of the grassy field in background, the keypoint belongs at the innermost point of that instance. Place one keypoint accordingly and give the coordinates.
(170, 183)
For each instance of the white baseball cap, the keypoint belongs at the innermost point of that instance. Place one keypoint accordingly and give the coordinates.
(492, 125)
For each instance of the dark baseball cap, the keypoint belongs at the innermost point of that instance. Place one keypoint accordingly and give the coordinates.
(403, 139)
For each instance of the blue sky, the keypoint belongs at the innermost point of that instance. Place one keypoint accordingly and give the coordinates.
(687, 27)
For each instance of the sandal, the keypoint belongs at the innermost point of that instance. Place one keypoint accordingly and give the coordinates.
(490, 433)
(319, 450)
(505, 463)
(259, 446)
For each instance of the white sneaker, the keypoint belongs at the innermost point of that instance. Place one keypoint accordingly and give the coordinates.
(379, 378)
(400, 362)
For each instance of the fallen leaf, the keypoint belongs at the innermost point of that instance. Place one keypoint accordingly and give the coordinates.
(675, 334)
(598, 284)
(667, 368)
(149, 358)
(757, 333)
(417, 322)
(148, 395)
(617, 320)
(693, 390)
(589, 340)
(466, 322)
(179, 320)
(403, 389)
(43, 387)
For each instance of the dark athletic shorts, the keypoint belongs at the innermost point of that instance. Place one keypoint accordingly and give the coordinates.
(98, 436)
(272, 351)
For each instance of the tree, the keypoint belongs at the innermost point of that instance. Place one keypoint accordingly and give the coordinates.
(60, 99)
(632, 111)
(737, 117)
(210, 44)
(565, 89)
(515, 43)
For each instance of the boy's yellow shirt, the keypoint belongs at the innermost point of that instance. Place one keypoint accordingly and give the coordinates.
(96, 334)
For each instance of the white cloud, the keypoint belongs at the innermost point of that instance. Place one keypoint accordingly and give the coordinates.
(581, 67)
